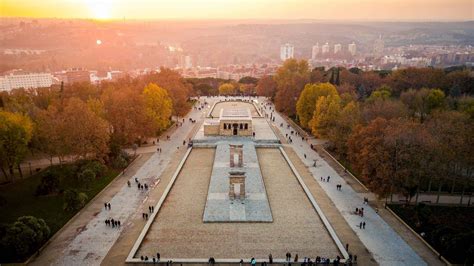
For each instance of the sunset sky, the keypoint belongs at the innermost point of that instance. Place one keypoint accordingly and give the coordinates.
(243, 9)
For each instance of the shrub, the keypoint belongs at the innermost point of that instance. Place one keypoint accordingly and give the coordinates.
(96, 167)
(49, 184)
(74, 200)
(86, 177)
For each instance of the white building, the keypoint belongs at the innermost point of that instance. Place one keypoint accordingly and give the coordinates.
(325, 48)
(26, 81)
(315, 51)
(187, 62)
(379, 46)
(337, 48)
(352, 48)
(287, 51)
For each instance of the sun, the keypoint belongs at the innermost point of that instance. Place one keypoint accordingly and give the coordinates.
(100, 9)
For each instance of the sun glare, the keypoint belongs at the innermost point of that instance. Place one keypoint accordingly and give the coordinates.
(100, 9)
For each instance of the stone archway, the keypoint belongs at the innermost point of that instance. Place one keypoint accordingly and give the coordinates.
(236, 150)
(236, 178)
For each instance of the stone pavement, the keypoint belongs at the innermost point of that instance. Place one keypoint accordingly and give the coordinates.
(255, 206)
(386, 246)
(91, 239)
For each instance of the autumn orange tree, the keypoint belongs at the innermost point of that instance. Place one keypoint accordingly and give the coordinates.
(266, 86)
(290, 79)
(173, 83)
(125, 110)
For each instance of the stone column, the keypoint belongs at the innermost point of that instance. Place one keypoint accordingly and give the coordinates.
(231, 152)
(241, 157)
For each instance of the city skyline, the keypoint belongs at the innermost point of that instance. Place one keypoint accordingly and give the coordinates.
(392, 10)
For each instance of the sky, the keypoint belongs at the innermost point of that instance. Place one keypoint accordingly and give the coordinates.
(391, 10)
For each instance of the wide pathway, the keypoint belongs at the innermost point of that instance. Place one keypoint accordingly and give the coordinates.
(90, 241)
(386, 246)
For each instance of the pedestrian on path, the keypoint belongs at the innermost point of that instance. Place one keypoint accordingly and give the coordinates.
(363, 225)
(128, 183)
(109, 206)
(105, 205)
(328, 178)
(360, 225)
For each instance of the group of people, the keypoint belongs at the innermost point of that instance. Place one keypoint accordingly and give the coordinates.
(107, 205)
(140, 186)
(325, 179)
(339, 187)
(360, 212)
(112, 222)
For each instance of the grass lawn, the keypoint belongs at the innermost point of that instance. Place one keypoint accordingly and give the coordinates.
(450, 230)
(20, 199)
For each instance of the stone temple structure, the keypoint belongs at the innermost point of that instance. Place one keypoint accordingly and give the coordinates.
(232, 122)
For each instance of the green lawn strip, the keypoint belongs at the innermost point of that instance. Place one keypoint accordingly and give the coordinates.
(21, 200)
(448, 229)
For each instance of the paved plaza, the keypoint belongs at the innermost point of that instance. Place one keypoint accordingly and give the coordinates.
(179, 232)
(179, 229)
(234, 104)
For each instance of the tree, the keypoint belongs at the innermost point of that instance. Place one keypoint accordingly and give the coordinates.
(416, 101)
(86, 177)
(383, 93)
(290, 79)
(383, 109)
(177, 89)
(307, 101)
(158, 106)
(248, 80)
(85, 134)
(49, 136)
(369, 157)
(435, 99)
(125, 110)
(74, 200)
(15, 133)
(266, 86)
(247, 88)
(24, 236)
(226, 89)
(348, 119)
(325, 116)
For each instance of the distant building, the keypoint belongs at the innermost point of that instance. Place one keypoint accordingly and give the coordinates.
(26, 81)
(378, 47)
(287, 51)
(187, 62)
(315, 51)
(337, 48)
(352, 48)
(325, 48)
(77, 75)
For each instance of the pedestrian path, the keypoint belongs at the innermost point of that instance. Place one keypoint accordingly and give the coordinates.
(93, 240)
(386, 246)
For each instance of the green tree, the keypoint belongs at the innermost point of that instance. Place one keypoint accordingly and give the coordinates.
(158, 106)
(86, 177)
(25, 235)
(436, 99)
(307, 101)
(74, 200)
(15, 133)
